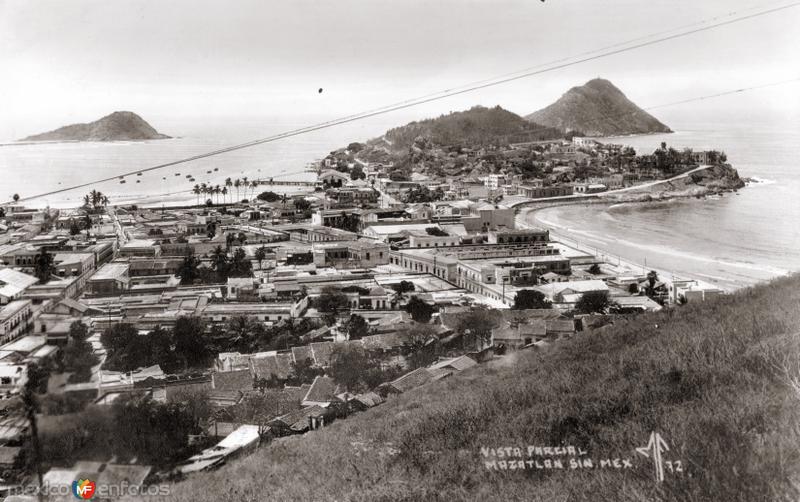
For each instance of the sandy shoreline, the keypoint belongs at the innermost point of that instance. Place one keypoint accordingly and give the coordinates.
(561, 235)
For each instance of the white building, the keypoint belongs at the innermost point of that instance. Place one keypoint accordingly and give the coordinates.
(495, 181)
(15, 318)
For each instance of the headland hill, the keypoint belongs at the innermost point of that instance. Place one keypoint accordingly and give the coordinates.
(547, 154)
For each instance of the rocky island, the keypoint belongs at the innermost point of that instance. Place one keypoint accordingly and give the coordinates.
(118, 126)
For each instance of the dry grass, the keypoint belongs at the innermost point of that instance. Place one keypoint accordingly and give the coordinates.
(715, 379)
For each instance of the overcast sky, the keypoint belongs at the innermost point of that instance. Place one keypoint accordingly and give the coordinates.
(74, 61)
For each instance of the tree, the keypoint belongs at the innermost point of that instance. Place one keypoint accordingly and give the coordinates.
(78, 357)
(594, 302)
(241, 328)
(421, 343)
(476, 327)
(301, 204)
(240, 265)
(156, 433)
(419, 309)
(94, 201)
(191, 344)
(652, 278)
(16, 197)
(261, 255)
(219, 263)
(331, 300)
(357, 327)
(403, 287)
(531, 299)
(595, 269)
(43, 266)
(31, 404)
(356, 370)
(303, 372)
(188, 270)
(357, 173)
(268, 196)
(436, 231)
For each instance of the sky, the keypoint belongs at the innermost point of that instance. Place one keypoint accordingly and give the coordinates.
(182, 60)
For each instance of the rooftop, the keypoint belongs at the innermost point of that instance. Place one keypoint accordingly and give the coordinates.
(12, 308)
(110, 271)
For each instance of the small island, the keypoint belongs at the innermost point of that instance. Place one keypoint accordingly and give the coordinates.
(118, 126)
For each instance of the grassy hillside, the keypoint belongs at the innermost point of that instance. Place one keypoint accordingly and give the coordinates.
(712, 379)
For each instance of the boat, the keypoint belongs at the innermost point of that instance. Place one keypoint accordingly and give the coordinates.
(216, 169)
(121, 182)
(138, 174)
(177, 174)
(138, 181)
(208, 172)
(122, 177)
(163, 177)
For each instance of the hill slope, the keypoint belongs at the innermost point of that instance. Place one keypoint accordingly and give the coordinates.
(598, 108)
(478, 126)
(119, 126)
(710, 377)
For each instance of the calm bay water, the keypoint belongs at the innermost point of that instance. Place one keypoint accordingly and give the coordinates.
(38, 168)
(734, 241)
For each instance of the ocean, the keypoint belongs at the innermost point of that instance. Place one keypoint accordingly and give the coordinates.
(32, 169)
(733, 241)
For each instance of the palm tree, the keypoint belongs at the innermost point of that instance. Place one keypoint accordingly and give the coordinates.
(260, 255)
(228, 185)
(237, 183)
(224, 194)
(253, 185)
(196, 191)
(283, 199)
(16, 197)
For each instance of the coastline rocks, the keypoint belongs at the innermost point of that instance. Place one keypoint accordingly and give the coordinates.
(719, 177)
(715, 180)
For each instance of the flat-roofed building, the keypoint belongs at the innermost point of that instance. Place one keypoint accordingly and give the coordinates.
(110, 279)
(13, 284)
(15, 318)
(264, 312)
(140, 247)
(518, 236)
(73, 264)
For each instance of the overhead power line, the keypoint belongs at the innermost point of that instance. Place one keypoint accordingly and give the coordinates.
(663, 105)
(431, 98)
